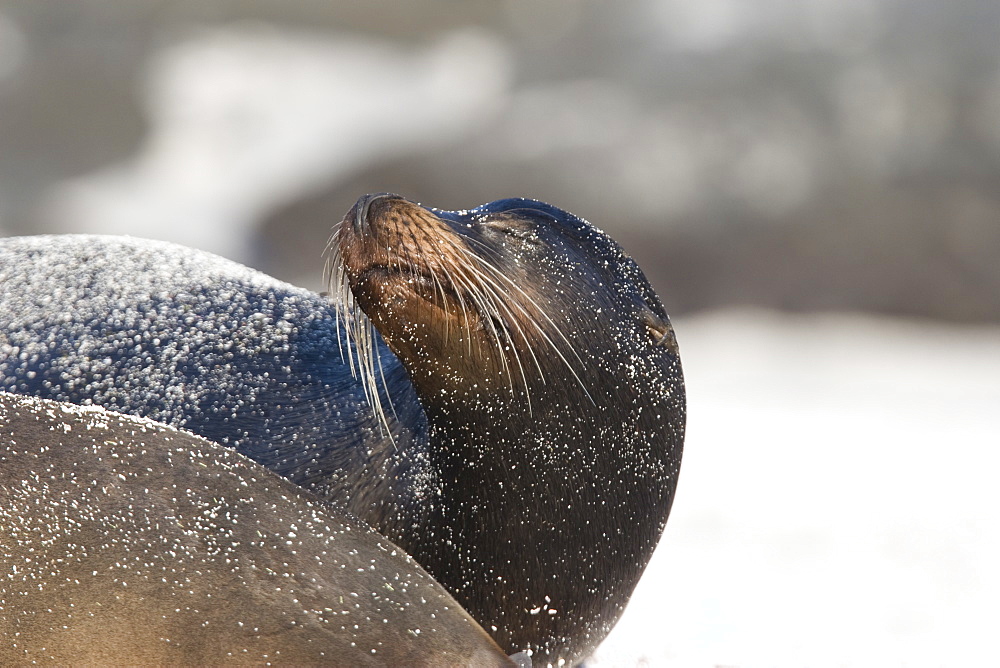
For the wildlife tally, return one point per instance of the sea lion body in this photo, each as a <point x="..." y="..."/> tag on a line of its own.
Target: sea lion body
<point x="125" y="541"/>
<point x="194" y="341"/>
<point x="528" y="397"/>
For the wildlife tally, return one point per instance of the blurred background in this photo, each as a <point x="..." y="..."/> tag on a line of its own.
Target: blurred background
<point x="813" y="187"/>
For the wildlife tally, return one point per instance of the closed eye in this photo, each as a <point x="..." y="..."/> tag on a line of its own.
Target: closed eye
<point x="510" y="227"/>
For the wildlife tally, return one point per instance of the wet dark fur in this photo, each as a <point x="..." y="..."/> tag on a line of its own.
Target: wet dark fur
<point x="123" y="541"/>
<point x="535" y="494"/>
<point x="191" y="340"/>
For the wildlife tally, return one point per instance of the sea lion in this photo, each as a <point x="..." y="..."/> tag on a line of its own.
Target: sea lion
<point x="528" y="393"/>
<point x="124" y="541"/>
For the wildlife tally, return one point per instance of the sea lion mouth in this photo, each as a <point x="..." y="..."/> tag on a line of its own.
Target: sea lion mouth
<point x="420" y="282"/>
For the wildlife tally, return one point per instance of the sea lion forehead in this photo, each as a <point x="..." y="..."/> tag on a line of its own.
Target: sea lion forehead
<point x="520" y="204"/>
<point x="563" y="225"/>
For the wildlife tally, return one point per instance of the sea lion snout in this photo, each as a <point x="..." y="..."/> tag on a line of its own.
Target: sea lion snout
<point x="358" y="215"/>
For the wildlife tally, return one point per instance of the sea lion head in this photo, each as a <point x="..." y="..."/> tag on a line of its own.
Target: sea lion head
<point x="493" y="300"/>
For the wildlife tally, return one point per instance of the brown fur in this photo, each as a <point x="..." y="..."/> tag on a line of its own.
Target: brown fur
<point x="123" y="541"/>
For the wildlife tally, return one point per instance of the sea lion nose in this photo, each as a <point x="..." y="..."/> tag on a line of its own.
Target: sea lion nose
<point x="363" y="205"/>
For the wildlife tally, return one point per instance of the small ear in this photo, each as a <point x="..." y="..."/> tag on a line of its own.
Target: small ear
<point x="660" y="330"/>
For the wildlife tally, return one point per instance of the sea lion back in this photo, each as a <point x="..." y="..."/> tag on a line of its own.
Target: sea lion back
<point x="195" y="341"/>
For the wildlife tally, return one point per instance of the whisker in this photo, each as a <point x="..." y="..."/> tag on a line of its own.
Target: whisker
<point x="461" y="303"/>
<point x="484" y="301"/>
<point x="352" y="322"/>
<point x="489" y="291"/>
<point x="499" y="275"/>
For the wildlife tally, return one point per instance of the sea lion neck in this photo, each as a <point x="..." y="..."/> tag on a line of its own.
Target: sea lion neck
<point x="567" y="488"/>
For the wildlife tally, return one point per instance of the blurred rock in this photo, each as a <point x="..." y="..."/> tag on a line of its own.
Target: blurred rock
<point x="821" y="155"/>
<point x="250" y="116"/>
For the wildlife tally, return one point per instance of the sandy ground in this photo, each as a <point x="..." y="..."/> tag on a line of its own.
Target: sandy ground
<point x="837" y="503"/>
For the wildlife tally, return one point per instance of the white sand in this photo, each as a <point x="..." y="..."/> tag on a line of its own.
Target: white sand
<point x="837" y="503"/>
